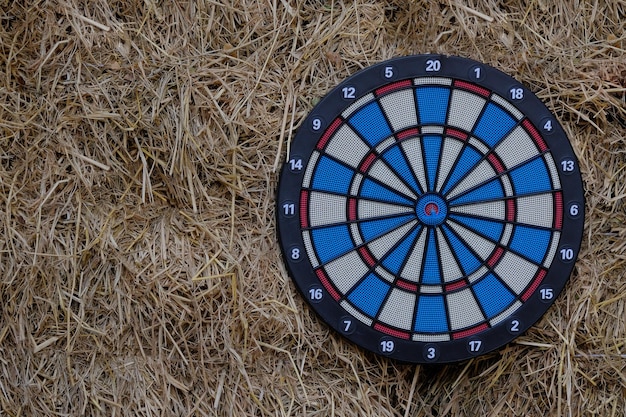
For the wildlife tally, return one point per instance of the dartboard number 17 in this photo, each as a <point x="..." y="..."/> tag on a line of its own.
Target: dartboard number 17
<point x="431" y="208"/>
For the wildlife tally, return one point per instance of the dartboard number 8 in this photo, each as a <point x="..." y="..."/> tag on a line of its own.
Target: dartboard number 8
<point x="430" y="209"/>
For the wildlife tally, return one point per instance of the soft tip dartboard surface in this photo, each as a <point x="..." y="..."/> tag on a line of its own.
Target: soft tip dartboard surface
<point x="431" y="208"/>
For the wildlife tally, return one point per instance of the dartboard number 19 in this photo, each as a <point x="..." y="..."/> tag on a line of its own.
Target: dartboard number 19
<point x="431" y="208"/>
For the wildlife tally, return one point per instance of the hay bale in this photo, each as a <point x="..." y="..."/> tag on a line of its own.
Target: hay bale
<point x="139" y="146"/>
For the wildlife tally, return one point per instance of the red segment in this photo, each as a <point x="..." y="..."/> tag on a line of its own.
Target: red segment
<point x="392" y="332"/>
<point x="352" y="209"/>
<point x="495" y="257"/>
<point x="329" y="132"/>
<point x="304" y="204"/>
<point x="406" y="285"/>
<point x="367" y="162"/>
<point x="456" y="134"/>
<point x="533" y="286"/>
<point x="558" y="202"/>
<point x="321" y="275"/>
<point x="367" y="256"/>
<point x="392" y="87"/>
<point x="495" y="162"/>
<point x="408" y="133"/>
<point x="470" y="332"/>
<point x="472" y="87"/>
<point x="455" y="285"/>
<point x="510" y="210"/>
<point x="541" y="144"/>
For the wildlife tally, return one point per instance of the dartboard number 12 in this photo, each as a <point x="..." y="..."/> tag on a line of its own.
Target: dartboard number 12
<point x="431" y="208"/>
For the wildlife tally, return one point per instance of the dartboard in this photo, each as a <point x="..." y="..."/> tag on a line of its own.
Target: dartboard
<point x="430" y="209"/>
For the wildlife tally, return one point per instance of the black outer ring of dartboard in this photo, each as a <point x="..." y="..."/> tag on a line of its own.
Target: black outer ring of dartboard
<point x="329" y="310"/>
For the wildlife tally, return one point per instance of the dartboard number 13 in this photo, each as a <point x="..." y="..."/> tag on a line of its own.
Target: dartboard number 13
<point x="431" y="208"/>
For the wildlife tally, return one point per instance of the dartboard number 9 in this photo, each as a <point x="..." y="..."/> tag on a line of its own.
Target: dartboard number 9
<point x="431" y="209"/>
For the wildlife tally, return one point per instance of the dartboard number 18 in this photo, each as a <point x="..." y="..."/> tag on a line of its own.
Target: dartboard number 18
<point x="431" y="208"/>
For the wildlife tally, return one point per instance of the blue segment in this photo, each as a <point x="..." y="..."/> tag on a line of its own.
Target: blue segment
<point x="331" y="242"/>
<point x="532" y="177"/>
<point x="431" y="315"/>
<point x="489" y="191"/>
<point x="395" y="260"/>
<point x="432" y="104"/>
<point x="431" y="273"/>
<point x="488" y="228"/>
<point x="332" y="176"/>
<point x="469" y="158"/>
<point x="531" y="243"/>
<point x="466" y="258"/>
<point x="374" y="191"/>
<point x="432" y="149"/>
<point x="374" y="228"/>
<point x="369" y="294"/>
<point x="494" y="124"/>
<point x="396" y="160"/>
<point x="492" y="295"/>
<point x="371" y="124"/>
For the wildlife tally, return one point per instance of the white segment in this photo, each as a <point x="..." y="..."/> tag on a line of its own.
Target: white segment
<point x="356" y="234"/>
<point x="308" y="246"/>
<point x="413" y="151"/>
<point x="356" y="313"/>
<point x="347" y="147"/>
<point x="480" y="147"/>
<point x="357" y="105"/>
<point x="395" y="311"/>
<point x="369" y="209"/>
<point x="380" y="246"/>
<point x="308" y="174"/>
<point x="432" y="80"/>
<point x="463" y="310"/>
<point x="381" y="171"/>
<point x="432" y="130"/>
<point x="475" y="276"/>
<point x="421" y="337"/>
<point x="506" y="313"/>
<point x="504" y="103"/>
<point x="326" y="209"/>
<point x="482" y="173"/>
<point x="465" y="107"/>
<point x="536" y="210"/>
<point x="481" y="246"/>
<point x="431" y="289"/>
<point x="506" y="234"/>
<point x="413" y="266"/>
<point x="516" y="148"/>
<point x="556" y="183"/>
<point x="506" y="184"/>
<point x="492" y="209"/>
<point x="451" y="271"/>
<point x="356" y="184"/>
<point x="384" y="274"/>
<point x="515" y="271"/>
<point x="385" y="144"/>
<point x="400" y="109"/>
<point x="450" y="152"/>
<point x="556" y="236"/>
<point x="346" y="271"/>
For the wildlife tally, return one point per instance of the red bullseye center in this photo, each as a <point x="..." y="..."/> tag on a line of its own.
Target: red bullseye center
<point x="431" y="209"/>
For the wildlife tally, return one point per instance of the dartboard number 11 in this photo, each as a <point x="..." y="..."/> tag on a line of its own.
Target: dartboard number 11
<point x="431" y="208"/>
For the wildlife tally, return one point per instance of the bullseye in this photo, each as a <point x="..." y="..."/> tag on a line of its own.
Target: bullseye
<point x="431" y="209"/>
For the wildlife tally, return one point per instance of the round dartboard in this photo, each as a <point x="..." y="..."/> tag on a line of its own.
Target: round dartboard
<point x="430" y="209"/>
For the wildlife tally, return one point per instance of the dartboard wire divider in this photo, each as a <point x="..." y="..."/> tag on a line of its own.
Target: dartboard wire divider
<point x="431" y="208"/>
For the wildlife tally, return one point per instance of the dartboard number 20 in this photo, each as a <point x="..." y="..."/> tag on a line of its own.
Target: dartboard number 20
<point x="431" y="208"/>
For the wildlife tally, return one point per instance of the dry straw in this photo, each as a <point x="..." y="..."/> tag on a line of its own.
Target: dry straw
<point x="139" y="147"/>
